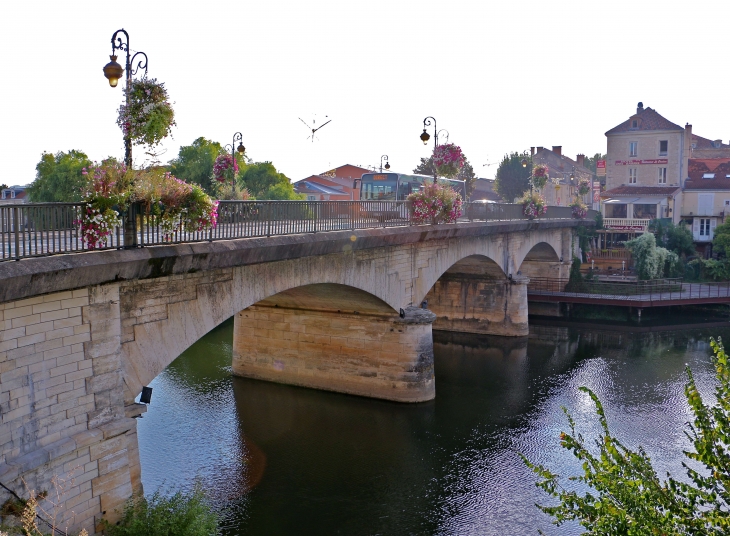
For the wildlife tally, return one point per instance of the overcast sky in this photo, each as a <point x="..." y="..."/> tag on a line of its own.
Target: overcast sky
<point x="498" y="76"/>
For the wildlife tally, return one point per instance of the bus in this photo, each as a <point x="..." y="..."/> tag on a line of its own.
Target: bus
<point x="395" y="187"/>
<point x="398" y="186"/>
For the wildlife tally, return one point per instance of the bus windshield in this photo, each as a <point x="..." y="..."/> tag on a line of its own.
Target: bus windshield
<point x="379" y="187"/>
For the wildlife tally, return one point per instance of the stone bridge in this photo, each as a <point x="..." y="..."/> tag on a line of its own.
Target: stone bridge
<point x="348" y="311"/>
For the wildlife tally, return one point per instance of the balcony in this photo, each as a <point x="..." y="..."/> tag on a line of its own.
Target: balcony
<point x="626" y="224"/>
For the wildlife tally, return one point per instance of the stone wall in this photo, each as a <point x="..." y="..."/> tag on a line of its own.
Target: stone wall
<point x="61" y="403"/>
<point x="375" y="355"/>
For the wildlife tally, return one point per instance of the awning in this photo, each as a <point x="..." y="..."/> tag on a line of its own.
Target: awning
<point x="620" y="200"/>
<point x="649" y="200"/>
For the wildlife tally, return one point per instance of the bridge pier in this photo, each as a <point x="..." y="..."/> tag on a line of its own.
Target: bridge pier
<point x="375" y="355"/>
<point x="470" y="303"/>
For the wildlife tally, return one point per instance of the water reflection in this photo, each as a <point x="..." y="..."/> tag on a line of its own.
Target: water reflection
<point x="288" y="460"/>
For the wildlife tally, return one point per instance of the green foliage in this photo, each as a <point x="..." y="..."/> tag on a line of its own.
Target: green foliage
<point x="590" y="161"/>
<point x="676" y="238"/>
<point x="59" y="178"/>
<point x="264" y="182"/>
<point x="513" y="180"/>
<point x="721" y="240"/>
<point x="626" y="496"/>
<point x="575" y="280"/>
<point x="194" y="163"/>
<point x="181" y="514"/>
<point x="715" y="269"/>
<point x="599" y="221"/>
<point x="650" y="261"/>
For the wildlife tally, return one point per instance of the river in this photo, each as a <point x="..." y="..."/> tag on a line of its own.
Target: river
<point x="287" y="460"/>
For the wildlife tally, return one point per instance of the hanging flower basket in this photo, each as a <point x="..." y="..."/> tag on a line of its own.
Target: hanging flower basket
<point x="539" y="175"/>
<point x="435" y="204"/>
<point x="223" y="168"/>
<point x="448" y="160"/>
<point x="580" y="209"/>
<point x="149" y="117"/>
<point x="584" y="186"/>
<point x="533" y="206"/>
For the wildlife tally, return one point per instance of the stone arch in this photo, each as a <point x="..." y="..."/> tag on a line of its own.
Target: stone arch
<point x="543" y="260"/>
<point x="191" y="305"/>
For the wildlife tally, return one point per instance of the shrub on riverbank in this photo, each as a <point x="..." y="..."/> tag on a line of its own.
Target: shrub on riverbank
<point x="180" y="514"/>
<point x="626" y="495"/>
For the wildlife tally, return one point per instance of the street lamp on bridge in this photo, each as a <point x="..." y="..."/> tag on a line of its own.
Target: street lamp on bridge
<point x="113" y="72"/>
<point x="237" y="137"/>
<point x="387" y="164"/>
<point x="425" y="137"/>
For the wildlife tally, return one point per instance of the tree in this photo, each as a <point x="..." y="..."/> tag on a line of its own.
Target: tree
<point x="264" y="182"/>
<point x="676" y="238"/>
<point x="59" y="178"/>
<point x="466" y="173"/>
<point x="194" y="163"/>
<point x="627" y="497"/>
<point x="721" y="241"/>
<point x="513" y="180"/>
<point x="590" y="162"/>
<point x="651" y="262"/>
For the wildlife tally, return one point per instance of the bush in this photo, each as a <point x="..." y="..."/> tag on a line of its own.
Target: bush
<point x="435" y="204"/>
<point x="650" y="261"/>
<point x="627" y="497"/>
<point x="575" y="281"/>
<point x="181" y="514"/>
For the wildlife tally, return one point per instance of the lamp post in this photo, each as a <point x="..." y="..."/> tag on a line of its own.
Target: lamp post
<point x="113" y="72"/>
<point x="237" y="137"/>
<point x="387" y="165"/>
<point x="425" y="137"/>
<point x="524" y="165"/>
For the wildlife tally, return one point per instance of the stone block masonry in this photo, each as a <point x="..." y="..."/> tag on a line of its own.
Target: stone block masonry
<point x="379" y="356"/>
<point x="62" y="422"/>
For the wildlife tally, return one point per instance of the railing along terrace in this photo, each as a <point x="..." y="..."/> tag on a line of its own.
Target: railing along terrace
<point x="40" y="229"/>
<point x="654" y="290"/>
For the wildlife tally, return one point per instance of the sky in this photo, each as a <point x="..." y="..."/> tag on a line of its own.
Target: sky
<point x="497" y="76"/>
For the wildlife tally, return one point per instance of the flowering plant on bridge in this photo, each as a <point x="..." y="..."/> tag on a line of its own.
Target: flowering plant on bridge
<point x="584" y="186"/>
<point x="148" y="117"/>
<point x="111" y="188"/>
<point x="539" y="175"/>
<point x="224" y="168"/>
<point x="580" y="209"/>
<point x="533" y="205"/>
<point x="448" y="160"/>
<point x="435" y="204"/>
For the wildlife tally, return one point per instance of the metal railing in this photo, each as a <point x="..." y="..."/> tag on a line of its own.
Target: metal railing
<point x="40" y="229"/>
<point x="655" y="290"/>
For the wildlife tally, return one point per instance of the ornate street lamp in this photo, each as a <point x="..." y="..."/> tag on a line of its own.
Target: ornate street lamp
<point x="524" y="165"/>
<point x="443" y="130"/>
<point x="113" y="72"/>
<point x="237" y="137"/>
<point x="425" y="137"/>
<point x="387" y="165"/>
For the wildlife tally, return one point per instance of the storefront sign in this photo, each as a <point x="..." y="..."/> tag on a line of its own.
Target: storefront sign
<point x="625" y="227"/>
<point x="601" y="168"/>
<point x="641" y="162"/>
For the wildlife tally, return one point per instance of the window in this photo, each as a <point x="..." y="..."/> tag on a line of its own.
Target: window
<point x="663" y="145"/>
<point x="727" y="202"/>
<point x="633" y="148"/>
<point x="704" y="226"/>
<point x="311" y="198"/>
<point x="634" y="124"/>
<point x="662" y="175"/>
<point x="632" y="175"/>
<point x="708" y="176"/>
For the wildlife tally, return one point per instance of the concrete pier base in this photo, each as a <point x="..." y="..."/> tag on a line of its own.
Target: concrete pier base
<point x="474" y="304"/>
<point x="375" y="355"/>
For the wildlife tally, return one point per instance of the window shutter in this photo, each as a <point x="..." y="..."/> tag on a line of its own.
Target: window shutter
<point x="696" y="227"/>
<point x="713" y="224"/>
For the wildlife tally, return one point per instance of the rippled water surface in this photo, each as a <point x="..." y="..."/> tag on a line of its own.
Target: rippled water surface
<point x="287" y="460"/>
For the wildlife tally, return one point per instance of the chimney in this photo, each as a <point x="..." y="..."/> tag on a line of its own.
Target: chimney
<point x="532" y="151"/>
<point x="558" y="150"/>
<point x="540" y="149"/>
<point x="581" y="159"/>
<point x="639" y="107"/>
